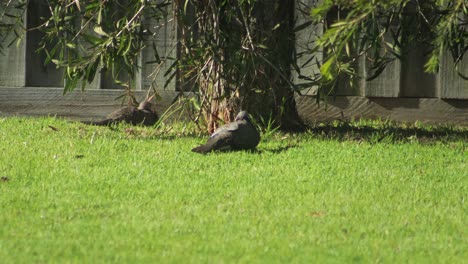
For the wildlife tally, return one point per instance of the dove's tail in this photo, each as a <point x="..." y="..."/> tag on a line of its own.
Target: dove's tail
<point x="104" y="122"/>
<point x="202" y="149"/>
<point x="217" y="145"/>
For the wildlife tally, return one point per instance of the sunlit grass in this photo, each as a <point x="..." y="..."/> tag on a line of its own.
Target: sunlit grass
<point x="359" y="192"/>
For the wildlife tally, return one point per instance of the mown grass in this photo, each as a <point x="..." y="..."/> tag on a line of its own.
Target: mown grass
<point x="340" y="193"/>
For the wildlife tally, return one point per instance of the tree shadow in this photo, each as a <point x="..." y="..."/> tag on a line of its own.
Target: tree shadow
<point x="366" y="131"/>
<point x="275" y="150"/>
<point x="280" y="149"/>
<point x="389" y="132"/>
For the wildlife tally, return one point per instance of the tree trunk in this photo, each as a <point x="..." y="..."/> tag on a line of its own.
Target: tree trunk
<point x="275" y="27"/>
<point x="241" y="60"/>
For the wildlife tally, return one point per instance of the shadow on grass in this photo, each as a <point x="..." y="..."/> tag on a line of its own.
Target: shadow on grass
<point x="389" y="132"/>
<point x="256" y="150"/>
<point x="149" y="133"/>
<point x="371" y="131"/>
<point x="280" y="149"/>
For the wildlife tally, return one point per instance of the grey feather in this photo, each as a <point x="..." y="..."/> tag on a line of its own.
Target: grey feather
<point x="240" y="134"/>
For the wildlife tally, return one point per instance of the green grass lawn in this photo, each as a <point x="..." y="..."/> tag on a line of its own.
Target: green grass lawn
<point x="338" y="194"/>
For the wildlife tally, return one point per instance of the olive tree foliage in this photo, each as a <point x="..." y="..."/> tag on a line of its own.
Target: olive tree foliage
<point x="382" y="31"/>
<point x="85" y="37"/>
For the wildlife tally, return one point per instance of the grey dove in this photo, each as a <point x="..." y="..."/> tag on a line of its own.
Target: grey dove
<point x="240" y="134"/>
<point x="143" y="114"/>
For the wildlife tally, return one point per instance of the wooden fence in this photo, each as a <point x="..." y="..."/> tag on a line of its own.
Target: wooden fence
<point x="403" y="92"/>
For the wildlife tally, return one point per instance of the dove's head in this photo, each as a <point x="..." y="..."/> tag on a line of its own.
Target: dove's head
<point x="145" y="105"/>
<point x="242" y="115"/>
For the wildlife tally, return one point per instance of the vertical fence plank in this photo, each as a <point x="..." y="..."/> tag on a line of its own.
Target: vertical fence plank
<point x="452" y="85"/>
<point x="116" y="77"/>
<point x="12" y="61"/>
<point x="160" y="54"/>
<point x="347" y="85"/>
<point x="107" y="80"/>
<point x="305" y="41"/>
<point x="12" y="65"/>
<point x="118" y="81"/>
<point x="354" y="87"/>
<point x="387" y="84"/>
<point x="38" y="74"/>
<point x="414" y="81"/>
<point x="96" y="83"/>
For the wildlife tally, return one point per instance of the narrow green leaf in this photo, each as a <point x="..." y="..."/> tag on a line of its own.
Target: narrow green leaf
<point x="99" y="31"/>
<point x="325" y="69"/>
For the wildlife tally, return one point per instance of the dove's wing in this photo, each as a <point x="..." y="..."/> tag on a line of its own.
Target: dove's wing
<point x="240" y="134"/>
<point x="220" y="139"/>
<point x="226" y="128"/>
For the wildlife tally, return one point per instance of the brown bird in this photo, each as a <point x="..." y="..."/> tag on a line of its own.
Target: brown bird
<point x="143" y="114"/>
<point x="240" y="134"/>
